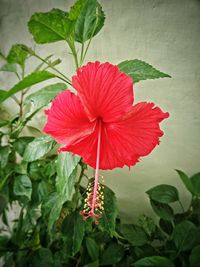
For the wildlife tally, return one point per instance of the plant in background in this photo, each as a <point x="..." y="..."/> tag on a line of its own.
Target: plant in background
<point x="46" y="188"/>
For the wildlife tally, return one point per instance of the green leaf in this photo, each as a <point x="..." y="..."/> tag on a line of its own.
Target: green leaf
<point x="3" y="123"/>
<point x="42" y="97"/>
<point x="66" y="170"/>
<point x="185" y="235"/>
<point x="23" y="186"/>
<point x="195" y="180"/>
<point x="92" y="264"/>
<point x="66" y="173"/>
<point x="21" y="142"/>
<point x="50" y="27"/>
<point x="107" y="222"/>
<point x="92" y="248"/>
<point x="139" y="70"/>
<point x="31" y="79"/>
<point x="163" y="193"/>
<point x="195" y="257"/>
<point x="4" y="154"/>
<point x="38" y="148"/>
<point x="113" y="254"/>
<point x="89" y="19"/>
<point x="164" y="211"/>
<point x="51" y="208"/>
<point x="42" y="257"/>
<point x="3" y="95"/>
<point x="154" y="261"/>
<point x="73" y="229"/>
<point x="17" y="55"/>
<point x="134" y="234"/>
<point x="186" y="180"/>
<point x="9" y="67"/>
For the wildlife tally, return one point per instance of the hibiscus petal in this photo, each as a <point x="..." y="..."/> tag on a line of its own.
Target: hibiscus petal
<point x="137" y="133"/>
<point x="123" y="142"/>
<point x="67" y="121"/>
<point x="104" y="90"/>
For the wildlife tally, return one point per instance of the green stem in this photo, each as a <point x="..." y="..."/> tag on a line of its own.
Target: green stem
<point x="65" y="78"/>
<point x="82" y="51"/>
<point x="94" y="29"/>
<point x="22" y="94"/>
<point x="73" y="49"/>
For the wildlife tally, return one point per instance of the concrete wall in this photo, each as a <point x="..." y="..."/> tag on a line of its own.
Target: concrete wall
<point x="164" y="33"/>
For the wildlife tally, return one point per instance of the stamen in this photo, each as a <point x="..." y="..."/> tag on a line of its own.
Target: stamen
<point x="93" y="206"/>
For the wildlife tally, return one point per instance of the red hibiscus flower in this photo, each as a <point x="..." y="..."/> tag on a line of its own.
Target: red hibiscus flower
<point x="100" y="124"/>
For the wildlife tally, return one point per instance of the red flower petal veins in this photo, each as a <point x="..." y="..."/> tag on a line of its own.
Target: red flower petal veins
<point x="67" y="121"/>
<point x="123" y="142"/>
<point x="104" y="90"/>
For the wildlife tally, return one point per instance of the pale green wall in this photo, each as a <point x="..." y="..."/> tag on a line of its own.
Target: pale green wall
<point x="165" y="33"/>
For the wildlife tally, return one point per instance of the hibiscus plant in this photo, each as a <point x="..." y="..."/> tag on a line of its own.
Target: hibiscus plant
<point x="52" y="213"/>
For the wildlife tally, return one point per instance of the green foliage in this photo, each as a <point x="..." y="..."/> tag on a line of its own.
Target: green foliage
<point x="88" y="17"/>
<point x="134" y="234"/>
<point x="17" y="55"/>
<point x="43" y="96"/>
<point x="38" y="148"/>
<point x="50" y="27"/>
<point x="9" y="67"/>
<point x="31" y="79"/>
<point x="107" y="223"/>
<point x="154" y="261"/>
<point x="22" y="186"/>
<point x="163" y="194"/>
<point x="139" y="70"/>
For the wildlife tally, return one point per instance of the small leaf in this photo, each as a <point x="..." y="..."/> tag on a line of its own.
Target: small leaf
<point x="113" y="254"/>
<point x="163" y="193"/>
<point x="89" y="19"/>
<point x="139" y="70"/>
<point x="4" y="154"/>
<point x="164" y="211"/>
<point x="185" y="235"/>
<point x="17" y="55"/>
<point x="107" y="222"/>
<point x="92" y="248"/>
<point x="154" y="261"/>
<point x="50" y="27"/>
<point x="195" y="257"/>
<point x="186" y="180"/>
<point x="31" y="79"/>
<point x="195" y="180"/>
<point x="9" y="67"/>
<point x="45" y="95"/>
<point x="23" y="186"/>
<point x="38" y="148"/>
<point x="73" y="229"/>
<point x="21" y="142"/>
<point x="134" y="234"/>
